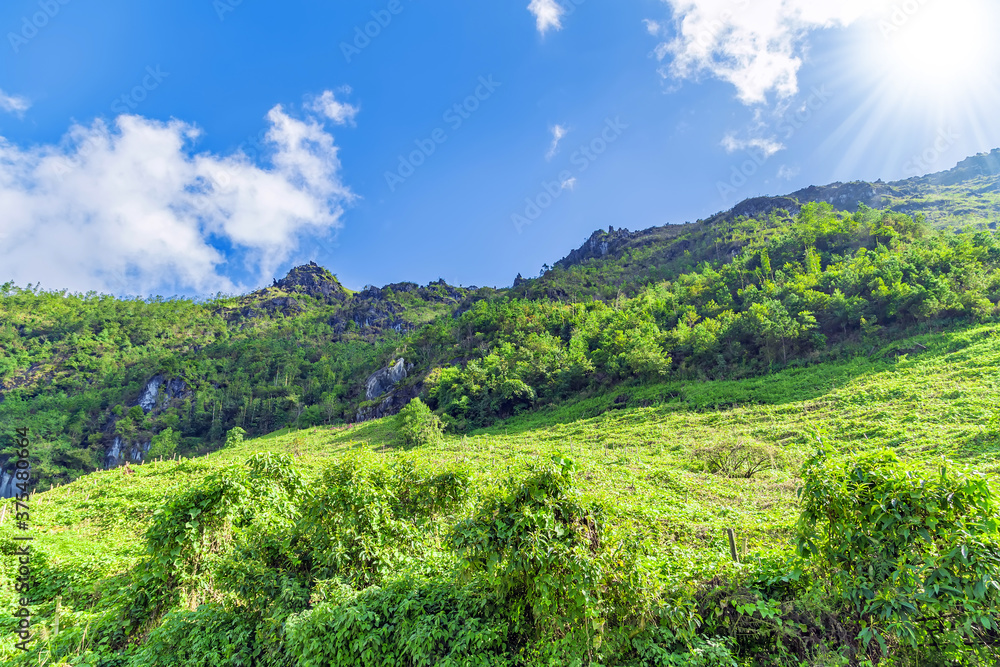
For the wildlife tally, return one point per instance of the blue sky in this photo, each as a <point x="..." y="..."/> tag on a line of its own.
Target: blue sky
<point x="205" y="145"/>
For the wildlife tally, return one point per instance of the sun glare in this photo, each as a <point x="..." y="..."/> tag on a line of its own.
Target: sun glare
<point x="939" y="46"/>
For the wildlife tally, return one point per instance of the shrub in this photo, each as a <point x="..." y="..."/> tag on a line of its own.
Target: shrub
<point x="432" y="623"/>
<point x="208" y="636"/>
<point x="737" y="460"/>
<point x="537" y="547"/>
<point x="164" y="444"/>
<point x="359" y="525"/>
<point x="917" y="559"/>
<point x="418" y="425"/>
<point x="235" y="437"/>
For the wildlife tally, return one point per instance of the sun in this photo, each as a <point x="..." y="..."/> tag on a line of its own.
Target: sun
<point x="939" y="47"/>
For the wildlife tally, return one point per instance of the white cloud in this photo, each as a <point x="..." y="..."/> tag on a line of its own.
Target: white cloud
<point x="569" y="183"/>
<point x="766" y="146"/>
<point x="558" y="132"/>
<point x="787" y="173"/>
<point x="340" y="113"/>
<point x="14" y="104"/>
<point x="652" y="27"/>
<point x="548" y="14"/>
<point x="134" y="199"/>
<point x="756" y="46"/>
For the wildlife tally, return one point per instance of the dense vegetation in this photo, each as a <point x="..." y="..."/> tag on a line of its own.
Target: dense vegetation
<point x="792" y="291"/>
<point x="593" y="533"/>
<point x="558" y="487"/>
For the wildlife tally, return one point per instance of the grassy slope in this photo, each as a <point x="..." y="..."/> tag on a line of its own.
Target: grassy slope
<point x="973" y="203"/>
<point x="638" y="461"/>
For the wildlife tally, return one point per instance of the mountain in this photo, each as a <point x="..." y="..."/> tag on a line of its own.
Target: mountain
<point x="108" y="380"/>
<point x="730" y="442"/>
<point x="964" y="197"/>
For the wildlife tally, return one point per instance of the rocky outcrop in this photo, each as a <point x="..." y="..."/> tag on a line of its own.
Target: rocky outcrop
<point x="157" y="393"/>
<point x="374" y="309"/>
<point x="380" y="382"/>
<point x="171" y="389"/>
<point x="393" y="402"/>
<point x="313" y="280"/>
<point x="600" y="244"/>
<point x="759" y="207"/>
<point x="121" y="451"/>
<point x="8" y="489"/>
<point x="846" y="196"/>
<point x="152" y="389"/>
<point x="983" y="164"/>
<point x="370" y="312"/>
<point x="308" y="280"/>
<point x="842" y="196"/>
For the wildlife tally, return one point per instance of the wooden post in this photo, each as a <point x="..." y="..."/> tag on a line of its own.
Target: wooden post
<point x="55" y="623"/>
<point x="732" y="544"/>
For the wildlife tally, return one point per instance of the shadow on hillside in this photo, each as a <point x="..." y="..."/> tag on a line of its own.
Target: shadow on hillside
<point x="785" y="387"/>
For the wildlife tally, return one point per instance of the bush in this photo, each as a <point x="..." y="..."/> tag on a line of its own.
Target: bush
<point x="917" y="559"/>
<point x="163" y="444"/>
<point x="208" y="636"/>
<point x="537" y="548"/>
<point x="418" y="425"/>
<point x="432" y="623"/>
<point x="235" y="437"/>
<point x="737" y="460"/>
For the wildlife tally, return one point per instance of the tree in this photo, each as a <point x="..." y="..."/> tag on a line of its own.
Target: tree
<point x="164" y="444"/>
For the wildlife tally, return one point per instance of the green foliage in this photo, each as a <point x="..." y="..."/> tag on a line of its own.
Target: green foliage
<point x="206" y="637"/>
<point x="680" y="392"/>
<point x="432" y="623"/>
<point x="536" y="547"/>
<point x="918" y="559"/>
<point x="164" y="444"/>
<point x="197" y="525"/>
<point x="418" y="425"/>
<point x="787" y="291"/>
<point x="235" y="437"/>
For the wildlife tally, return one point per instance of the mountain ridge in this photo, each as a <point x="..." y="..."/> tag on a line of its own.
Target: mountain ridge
<point x="758" y="286"/>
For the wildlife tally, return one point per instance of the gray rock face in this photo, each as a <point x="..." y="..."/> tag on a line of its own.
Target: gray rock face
<point x="148" y="399"/>
<point x="382" y="381"/>
<point x="122" y="451"/>
<point x="151" y="393"/>
<point x="600" y="244"/>
<point x="388" y="406"/>
<point x="113" y="458"/>
<point x="7" y="488"/>
<point x="156" y="389"/>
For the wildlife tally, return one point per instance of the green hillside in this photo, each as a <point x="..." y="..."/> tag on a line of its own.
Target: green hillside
<point x="227" y="481"/>
<point x="277" y="571"/>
